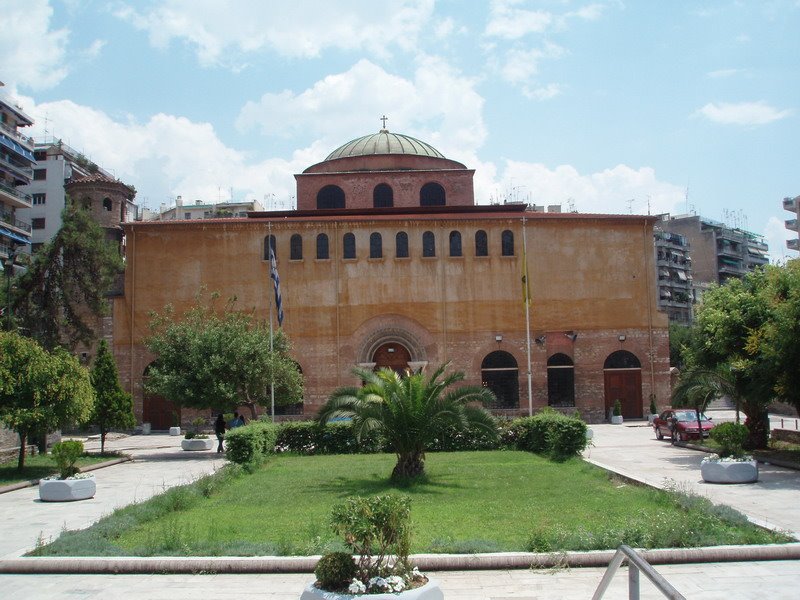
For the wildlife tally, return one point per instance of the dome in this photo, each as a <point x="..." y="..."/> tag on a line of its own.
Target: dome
<point x="384" y="142"/>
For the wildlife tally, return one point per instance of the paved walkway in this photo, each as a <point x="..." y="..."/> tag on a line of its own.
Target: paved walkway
<point x="158" y="463"/>
<point x="632" y="450"/>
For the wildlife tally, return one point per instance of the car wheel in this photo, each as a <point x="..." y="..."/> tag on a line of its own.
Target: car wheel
<point x="659" y="435"/>
<point x="679" y="436"/>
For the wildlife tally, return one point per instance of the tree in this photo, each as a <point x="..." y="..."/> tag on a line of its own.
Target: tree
<point x="40" y="390"/>
<point x="697" y="387"/>
<point x="113" y="407"/>
<point x="66" y="285"/>
<point x="680" y="337"/>
<point x="409" y="411"/>
<point x="220" y="360"/>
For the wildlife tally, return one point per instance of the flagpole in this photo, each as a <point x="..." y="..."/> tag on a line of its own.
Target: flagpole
<point x="271" y="347"/>
<point x="527" y="315"/>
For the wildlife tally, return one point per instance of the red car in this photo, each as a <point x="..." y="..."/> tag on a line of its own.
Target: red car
<point x="681" y="425"/>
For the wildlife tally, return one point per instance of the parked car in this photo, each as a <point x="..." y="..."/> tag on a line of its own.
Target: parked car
<point x="681" y="425"/>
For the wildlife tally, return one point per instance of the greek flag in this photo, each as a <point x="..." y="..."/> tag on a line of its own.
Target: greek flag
<point x="273" y="273"/>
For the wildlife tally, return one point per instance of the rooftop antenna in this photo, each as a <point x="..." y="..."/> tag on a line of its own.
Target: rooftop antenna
<point x="648" y="204"/>
<point x="686" y="198"/>
<point x="571" y="204"/>
<point x="630" y="205"/>
<point x="383" y="119"/>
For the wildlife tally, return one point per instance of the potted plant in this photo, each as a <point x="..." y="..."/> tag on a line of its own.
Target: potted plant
<point x="653" y="410"/>
<point x="195" y="439"/>
<point x="731" y="465"/>
<point x="377" y="532"/>
<point x="616" y="413"/>
<point x="176" y="424"/>
<point x="69" y="485"/>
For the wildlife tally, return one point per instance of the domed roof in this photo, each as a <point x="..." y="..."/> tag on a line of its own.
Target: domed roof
<point x="384" y="142"/>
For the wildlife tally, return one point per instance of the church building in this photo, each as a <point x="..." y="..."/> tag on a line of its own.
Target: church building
<point x="388" y="261"/>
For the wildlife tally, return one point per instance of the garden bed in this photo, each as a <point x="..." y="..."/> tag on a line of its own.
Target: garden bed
<point x="470" y="502"/>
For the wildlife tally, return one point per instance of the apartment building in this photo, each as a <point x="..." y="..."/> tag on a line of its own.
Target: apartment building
<point x="16" y="160"/>
<point x="201" y="210"/>
<point x="793" y="206"/>
<point x="676" y="296"/>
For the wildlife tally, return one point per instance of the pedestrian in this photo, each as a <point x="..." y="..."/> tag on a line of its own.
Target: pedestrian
<point x="235" y="421"/>
<point x="219" y="429"/>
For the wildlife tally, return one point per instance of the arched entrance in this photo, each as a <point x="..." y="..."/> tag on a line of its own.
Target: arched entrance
<point x="622" y="374"/>
<point x="500" y="373"/>
<point x="157" y="410"/>
<point x="392" y="355"/>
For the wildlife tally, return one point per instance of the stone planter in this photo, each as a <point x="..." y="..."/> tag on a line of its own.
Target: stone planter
<point x="174" y="430"/>
<point x="66" y="490"/>
<point x="589" y="433"/>
<point x="429" y="591"/>
<point x="196" y="444"/>
<point x="616" y="420"/>
<point x="716" y="471"/>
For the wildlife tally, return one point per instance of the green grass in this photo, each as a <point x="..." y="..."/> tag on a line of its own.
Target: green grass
<point x="42" y="465"/>
<point x="470" y="502"/>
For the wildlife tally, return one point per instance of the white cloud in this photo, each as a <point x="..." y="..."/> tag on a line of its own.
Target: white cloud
<point x="776" y="234"/>
<point x="226" y="32"/>
<point x="170" y="155"/>
<point x="606" y="191"/>
<point x="512" y="23"/>
<point x="31" y="54"/>
<point x="94" y="49"/>
<point x="743" y="113"/>
<point x="723" y="73"/>
<point x="437" y="104"/>
<point x="551" y="90"/>
<point x="521" y="65"/>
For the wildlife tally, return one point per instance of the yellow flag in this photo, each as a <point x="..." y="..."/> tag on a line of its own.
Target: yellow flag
<point x="526" y="286"/>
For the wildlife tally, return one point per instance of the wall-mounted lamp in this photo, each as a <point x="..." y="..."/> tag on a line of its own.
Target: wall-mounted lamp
<point x="621" y="338"/>
<point x="540" y="340"/>
<point x="571" y="335"/>
<point x="498" y="338"/>
<point x="390" y="349"/>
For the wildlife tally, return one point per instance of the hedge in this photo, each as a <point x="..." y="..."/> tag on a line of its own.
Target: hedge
<point x="252" y="442"/>
<point x="308" y="437"/>
<point x="551" y="433"/>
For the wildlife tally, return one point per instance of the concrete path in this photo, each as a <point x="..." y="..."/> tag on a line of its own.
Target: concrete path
<point x="158" y="463"/>
<point x="632" y="450"/>
<point x="777" y="580"/>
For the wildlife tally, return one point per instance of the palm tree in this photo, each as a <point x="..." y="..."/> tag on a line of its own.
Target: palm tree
<point x="409" y="411"/>
<point x="697" y="387"/>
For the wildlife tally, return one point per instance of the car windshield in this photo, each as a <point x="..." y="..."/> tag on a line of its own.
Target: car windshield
<point x="689" y="416"/>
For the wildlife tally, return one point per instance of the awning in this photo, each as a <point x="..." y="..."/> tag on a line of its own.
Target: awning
<point x="681" y="275"/>
<point x="16" y="147"/>
<point x="664" y="272"/>
<point x="666" y="294"/>
<point x="14" y="236"/>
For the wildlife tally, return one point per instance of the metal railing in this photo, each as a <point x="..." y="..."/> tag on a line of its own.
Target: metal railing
<point x="636" y="564"/>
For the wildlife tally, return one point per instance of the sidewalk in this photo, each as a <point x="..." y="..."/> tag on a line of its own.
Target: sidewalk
<point x="158" y="463"/>
<point x="632" y="450"/>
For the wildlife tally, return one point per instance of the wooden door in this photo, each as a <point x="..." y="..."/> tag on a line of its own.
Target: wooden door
<point x="625" y="385"/>
<point x="392" y="356"/>
<point x="160" y="413"/>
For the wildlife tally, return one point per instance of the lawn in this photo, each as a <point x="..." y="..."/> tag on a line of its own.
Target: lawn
<point x="42" y="465"/>
<point x="471" y="502"/>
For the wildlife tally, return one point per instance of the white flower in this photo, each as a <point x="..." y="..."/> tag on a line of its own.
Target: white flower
<point x="356" y="587"/>
<point x="379" y="583"/>
<point x="396" y="583"/>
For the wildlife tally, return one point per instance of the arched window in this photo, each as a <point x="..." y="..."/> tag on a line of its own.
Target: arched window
<point x="107" y="204"/>
<point x="349" y="245"/>
<point x="560" y="380"/>
<point x="322" y="247"/>
<point x="401" y="244"/>
<point x="382" y="196"/>
<point x="508" y="243"/>
<point x="269" y="242"/>
<point x="428" y="244"/>
<point x="481" y="243"/>
<point x="431" y="194"/>
<point x="622" y="359"/>
<point x="331" y="196"/>
<point x="375" y="245"/>
<point x="499" y="373"/>
<point x="296" y="247"/>
<point x="455" y="243"/>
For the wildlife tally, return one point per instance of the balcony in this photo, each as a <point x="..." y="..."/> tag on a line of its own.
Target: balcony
<point x="793" y="244"/>
<point x="791" y="224"/>
<point x="790" y="204"/>
<point x="26" y="142"/>
<point x="8" y="218"/>
<point x="23" y="174"/>
<point x="14" y="197"/>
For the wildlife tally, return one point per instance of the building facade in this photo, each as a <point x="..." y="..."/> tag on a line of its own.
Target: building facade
<point x="389" y="262"/>
<point x="16" y="161"/>
<point x="676" y="296"/>
<point x="200" y="210"/>
<point x="793" y="206"/>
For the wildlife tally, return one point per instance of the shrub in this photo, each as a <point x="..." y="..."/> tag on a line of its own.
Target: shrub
<point x="731" y="437"/>
<point x="195" y="432"/>
<point x="653" y="407"/>
<point x="66" y="454"/>
<point x="376" y="528"/>
<point x="308" y="437"/>
<point x="617" y="412"/>
<point x="251" y="443"/>
<point x="551" y="433"/>
<point x="335" y="570"/>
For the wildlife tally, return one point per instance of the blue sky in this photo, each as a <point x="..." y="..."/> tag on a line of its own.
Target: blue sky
<point x="602" y="106"/>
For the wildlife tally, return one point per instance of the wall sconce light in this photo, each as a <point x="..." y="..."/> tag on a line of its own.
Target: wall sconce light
<point x="571" y="335"/>
<point x="540" y="340"/>
<point x="390" y="349"/>
<point x="498" y="338"/>
<point x="621" y="338"/>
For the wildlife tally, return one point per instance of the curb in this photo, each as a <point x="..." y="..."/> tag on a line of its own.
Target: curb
<point x="428" y="562"/>
<point x="11" y="487"/>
